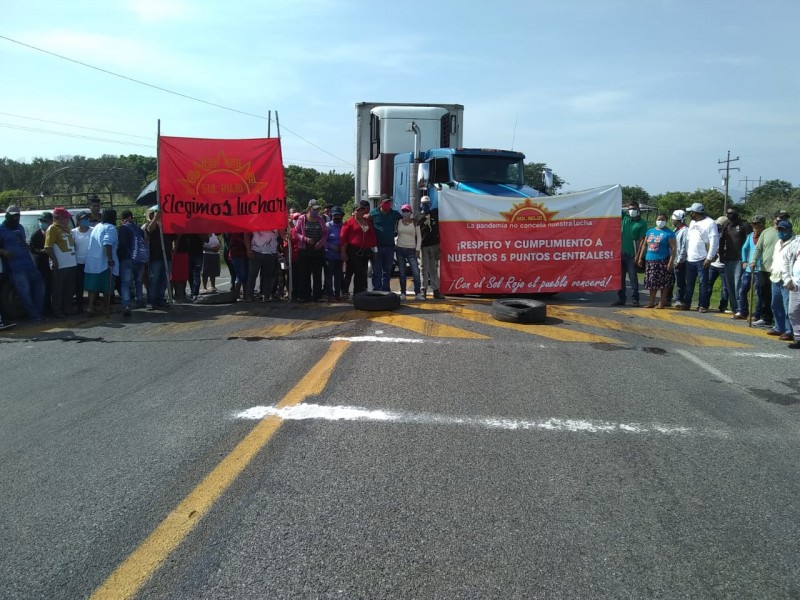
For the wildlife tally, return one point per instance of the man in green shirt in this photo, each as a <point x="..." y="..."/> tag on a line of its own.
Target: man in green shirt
<point x="633" y="232"/>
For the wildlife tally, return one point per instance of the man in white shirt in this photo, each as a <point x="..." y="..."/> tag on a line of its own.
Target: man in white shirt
<point x="702" y="243"/>
<point x="778" y="277"/>
<point x="791" y="281"/>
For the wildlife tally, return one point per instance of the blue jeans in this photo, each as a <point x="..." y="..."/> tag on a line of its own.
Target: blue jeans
<point x="780" y="308"/>
<point x="693" y="269"/>
<point x="733" y="276"/>
<point x="410" y="255"/>
<point x="156" y="283"/>
<point x="240" y="271"/>
<point x="744" y="289"/>
<point x="715" y="273"/>
<point x="195" y="271"/>
<point x="30" y="289"/>
<point x="333" y="277"/>
<point x="382" y="268"/>
<point x="629" y="270"/>
<point x="679" y="284"/>
<point x="130" y="271"/>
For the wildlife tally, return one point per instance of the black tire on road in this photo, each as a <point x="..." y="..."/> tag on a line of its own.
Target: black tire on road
<point x="519" y="310"/>
<point x="376" y="301"/>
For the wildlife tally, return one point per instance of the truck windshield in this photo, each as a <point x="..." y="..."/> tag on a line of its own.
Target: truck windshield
<point x="492" y="169"/>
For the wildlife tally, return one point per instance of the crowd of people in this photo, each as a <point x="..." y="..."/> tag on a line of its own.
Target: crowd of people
<point x="65" y="269"/>
<point x="320" y="255"/>
<point x="752" y="261"/>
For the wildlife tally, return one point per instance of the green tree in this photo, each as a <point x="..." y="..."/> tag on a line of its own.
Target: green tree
<point x="534" y="178"/>
<point x="771" y="197"/>
<point x="634" y="193"/>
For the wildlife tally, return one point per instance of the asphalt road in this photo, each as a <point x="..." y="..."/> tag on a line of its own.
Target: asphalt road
<point x="314" y="451"/>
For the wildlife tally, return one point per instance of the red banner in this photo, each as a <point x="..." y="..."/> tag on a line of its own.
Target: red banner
<point x="220" y="186"/>
<point x="507" y="245"/>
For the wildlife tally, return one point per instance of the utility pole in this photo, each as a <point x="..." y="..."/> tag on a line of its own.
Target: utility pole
<point x="727" y="175"/>
<point x="747" y="187"/>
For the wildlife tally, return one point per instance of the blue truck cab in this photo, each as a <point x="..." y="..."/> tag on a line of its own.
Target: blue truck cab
<point x="472" y="170"/>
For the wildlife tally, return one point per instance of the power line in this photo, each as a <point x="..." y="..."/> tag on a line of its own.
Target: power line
<point x="168" y="91"/>
<point x="143" y="137"/>
<point x="75" y="135"/>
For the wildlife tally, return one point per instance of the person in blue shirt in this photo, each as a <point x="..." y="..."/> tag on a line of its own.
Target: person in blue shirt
<point x="384" y="221"/>
<point x="17" y="262"/>
<point x="333" y="256"/>
<point x="657" y="255"/>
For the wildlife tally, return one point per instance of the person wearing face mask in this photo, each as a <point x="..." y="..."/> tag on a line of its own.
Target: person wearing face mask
<point x="657" y="255"/>
<point x="702" y="243"/>
<point x="60" y="247"/>
<point x="19" y="265"/>
<point x="679" y="271"/>
<point x="312" y="237"/>
<point x="431" y="251"/>
<point x="633" y="231"/>
<point x="357" y="241"/>
<point x="42" y="259"/>
<point x="731" y="240"/>
<point x="81" y="235"/>
<point x="384" y="220"/>
<point x="791" y="282"/>
<point x="778" y="275"/>
<point x="333" y="256"/>
<point x="762" y="254"/>
<point x="409" y="246"/>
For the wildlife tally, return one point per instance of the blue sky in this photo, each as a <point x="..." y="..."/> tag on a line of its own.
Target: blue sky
<point x="649" y="92"/>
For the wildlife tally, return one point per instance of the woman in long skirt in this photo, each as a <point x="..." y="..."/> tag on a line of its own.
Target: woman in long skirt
<point x="657" y="255"/>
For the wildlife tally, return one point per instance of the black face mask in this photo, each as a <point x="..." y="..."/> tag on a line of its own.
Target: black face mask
<point x="12" y="220"/>
<point x="337" y="219"/>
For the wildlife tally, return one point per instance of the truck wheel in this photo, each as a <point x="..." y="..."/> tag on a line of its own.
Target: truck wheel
<point x="376" y="301"/>
<point x="10" y="304"/>
<point x="519" y="310"/>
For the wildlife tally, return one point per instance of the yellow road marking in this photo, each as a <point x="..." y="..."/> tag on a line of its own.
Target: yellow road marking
<point x="137" y="569"/>
<point x="547" y="331"/>
<point x="680" y="337"/>
<point x="681" y="319"/>
<point x="280" y="330"/>
<point x="195" y="323"/>
<point x="426" y="327"/>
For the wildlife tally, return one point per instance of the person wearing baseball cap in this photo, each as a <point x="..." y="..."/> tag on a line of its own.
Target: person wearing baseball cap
<point x="702" y="244"/>
<point x="679" y="268"/>
<point x="60" y="247"/>
<point x="431" y="252"/>
<point x="409" y="247"/>
<point x="22" y="272"/>
<point x="384" y="220"/>
<point x="791" y="283"/>
<point x="782" y="265"/>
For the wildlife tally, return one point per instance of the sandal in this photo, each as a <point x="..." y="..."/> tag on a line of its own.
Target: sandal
<point x="651" y="306"/>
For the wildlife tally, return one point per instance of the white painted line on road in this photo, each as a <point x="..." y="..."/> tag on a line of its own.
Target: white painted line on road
<point x="761" y="355"/>
<point x="704" y="365"/>
<point x="375" y="338"/>
<point x="354" y="413"/>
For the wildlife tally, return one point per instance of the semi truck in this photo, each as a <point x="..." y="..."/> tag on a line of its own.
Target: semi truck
<point x="407" y="150"/>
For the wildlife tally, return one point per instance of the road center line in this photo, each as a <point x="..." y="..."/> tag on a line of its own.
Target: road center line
<point x="144" y="561"/>
<point x="355" y="413"/>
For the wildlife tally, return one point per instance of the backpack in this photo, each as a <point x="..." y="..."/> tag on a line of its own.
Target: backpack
<point x="139" y="251"/>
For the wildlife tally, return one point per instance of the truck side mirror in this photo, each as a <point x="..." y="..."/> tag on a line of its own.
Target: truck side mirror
<point x="547" y="177"/>
<point x="423" y="175"/>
